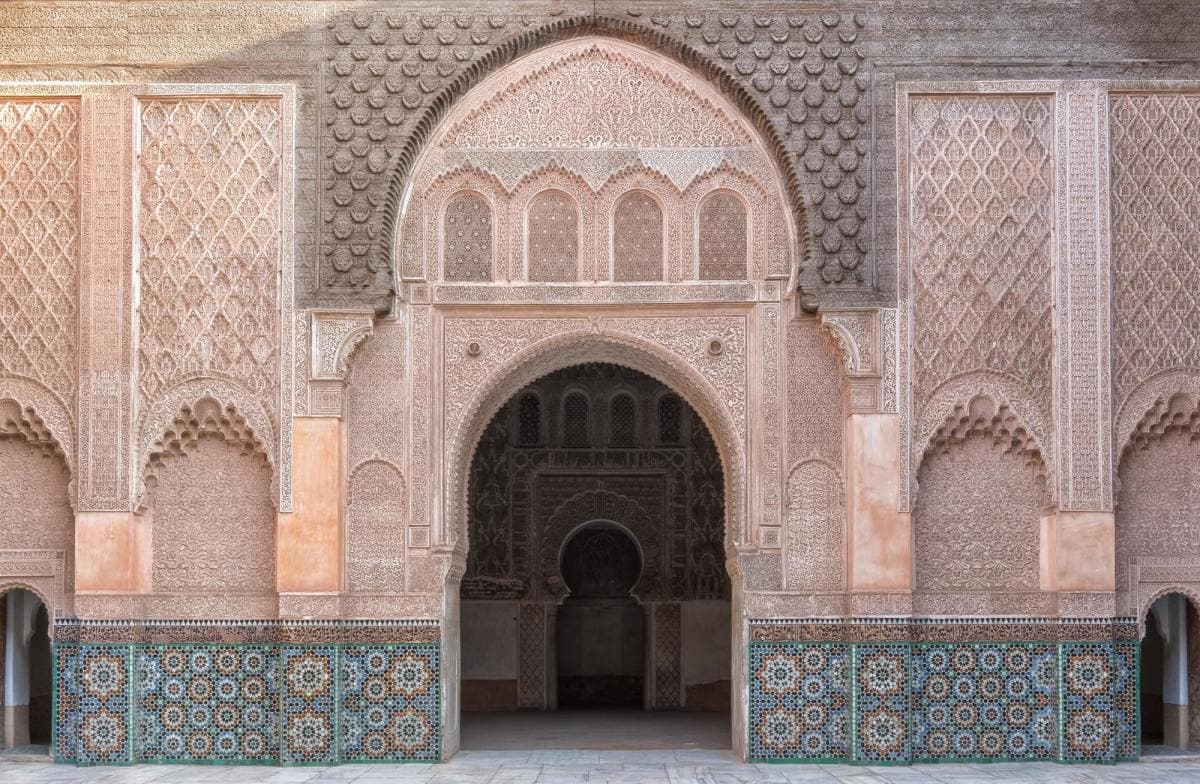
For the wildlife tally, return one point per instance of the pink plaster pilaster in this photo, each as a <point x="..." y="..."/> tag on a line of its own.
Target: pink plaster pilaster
<point x="880" y="541"/>
<point x="112" y="552"/>
<point x="1078" y="552"/>
<point x="309" y="543"/>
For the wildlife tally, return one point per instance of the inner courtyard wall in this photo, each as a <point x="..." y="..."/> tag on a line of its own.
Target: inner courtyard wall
<point x="226" y="234"/>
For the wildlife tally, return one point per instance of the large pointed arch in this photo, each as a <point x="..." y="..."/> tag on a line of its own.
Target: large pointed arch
<point x="747" y="106"/>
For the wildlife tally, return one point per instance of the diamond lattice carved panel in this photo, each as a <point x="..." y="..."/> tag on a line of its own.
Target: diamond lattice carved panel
<point x="1156" y="223"/>
<point x="39" y="241"/>
<point x="981" y="222"/>
<point x="210" y="250"/>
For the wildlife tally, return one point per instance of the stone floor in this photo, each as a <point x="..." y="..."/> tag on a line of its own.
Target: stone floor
<point x="608" y="730"/>
<point x="613" y="767"/>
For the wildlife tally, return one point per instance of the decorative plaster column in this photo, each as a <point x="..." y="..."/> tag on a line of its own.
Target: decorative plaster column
<point x="1078" y="538"/>
<point x="112" y="543"/>
<point x="309" y="538"/>
<point x="879" y="540"/>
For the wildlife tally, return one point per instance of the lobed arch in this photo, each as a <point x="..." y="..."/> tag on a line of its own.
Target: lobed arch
<point x="54" y="603"/>
<point x="573" y="348"/>
<point x="589" y="506"/>
<point x="1148" y="404"/>
<point x="1014" y="417"/>
<point x="615" y="32"/>
<point x="1189" y="592"/>
<point x="199" y="413"/>
<point x="41" y="416"/>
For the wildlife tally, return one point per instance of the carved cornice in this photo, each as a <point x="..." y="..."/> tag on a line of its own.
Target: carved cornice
<point x="858" y="335"/>
<point x="334" y="337"/>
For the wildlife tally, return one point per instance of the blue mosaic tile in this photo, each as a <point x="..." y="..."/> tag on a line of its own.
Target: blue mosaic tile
<point x="91" y="704"/>
<point x="880" y="708"/>
<point x="984" y="701"/>
<point x="203" y="702"/>
<point x="309" y="704"/>
<point x="390" y="702"/>
<point x="1099" y="701"/>
<point x="799" y="701"/>
<point x="1126" y="701"/>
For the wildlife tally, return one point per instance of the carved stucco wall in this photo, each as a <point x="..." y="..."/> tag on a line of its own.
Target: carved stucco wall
<point x="802" y="69"/>
<point x="210" y="219"/>
<point x="1158" y="506"/>
<point x="1156" y="201"/>
<point x="39" y="258"/>
<point x="814" y="559"/>
<point x="982" y="189"/>
<point x="213" y="533"/>
<point x="1155" y="142"/>
<point x="37" y="515"/>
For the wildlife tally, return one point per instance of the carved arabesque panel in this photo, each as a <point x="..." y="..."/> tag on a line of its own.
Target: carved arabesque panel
<point x="976" y="520"/>
<point x="376" y="518"/>
<point x="981" y="173"/>
<point x="814" y="377"/>
<point x="214" y="523"/>
<point x="814" y="529"/>
<point x="210" y="221"/>
<point x="39" y="242"/>
<point x="375" y="406"/>
<point x="721" y="237"/>
<point x="552" y="252"/>
<point x="467" y="239"/>
<point x="597" y="93"/>
<point x="1155" y="142"/>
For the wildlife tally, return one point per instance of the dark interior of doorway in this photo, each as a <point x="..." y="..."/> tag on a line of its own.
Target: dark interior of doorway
<point x="595" y="603"/>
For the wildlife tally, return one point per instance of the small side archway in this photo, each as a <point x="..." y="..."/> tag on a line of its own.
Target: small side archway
<point x="1170" y="669"/>
<point x="26" y="675"/>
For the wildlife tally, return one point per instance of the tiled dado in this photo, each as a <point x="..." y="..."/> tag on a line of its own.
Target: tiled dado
<point x="248" y="703"/>
<point x="905" y="701"/>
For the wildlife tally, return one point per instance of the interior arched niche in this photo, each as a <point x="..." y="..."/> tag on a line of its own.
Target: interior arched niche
<point x="977" y="517"/>
<point x="578" y="116"/>
<point x="34" y="489"/>
<point x="1158" y="494"/>
<point x="209" y="498"/>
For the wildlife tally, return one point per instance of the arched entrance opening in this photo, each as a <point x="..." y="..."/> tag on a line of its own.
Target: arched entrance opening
<point x="595" y="571"/>
<point x="600" y="629"/>
<point x="1170" y="673"/>
<point x="27" y="679"/>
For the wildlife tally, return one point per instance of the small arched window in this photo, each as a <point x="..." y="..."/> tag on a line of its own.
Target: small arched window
<point x="670" y="420"/>
<point x="553" y="237"/>
<point x="722" y="242"/>
<point x="622" y="422"/>
<point x="637" y="238"/>
<point x="575" y="420"/>
<point x="467" y="239"/>
<point x="529" y="420"/>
